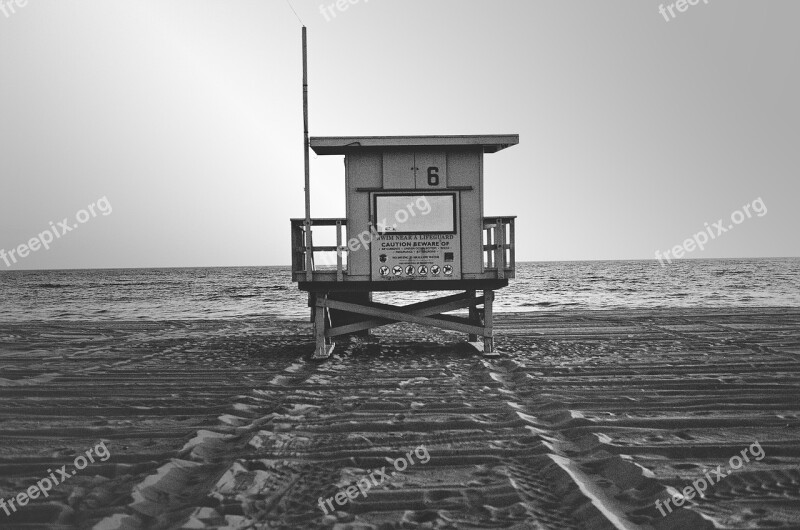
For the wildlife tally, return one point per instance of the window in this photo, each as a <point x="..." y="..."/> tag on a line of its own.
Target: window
<point x="409" y="214"/>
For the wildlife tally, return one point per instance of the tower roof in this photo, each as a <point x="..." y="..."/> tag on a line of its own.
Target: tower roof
<point x="342" y="145"/>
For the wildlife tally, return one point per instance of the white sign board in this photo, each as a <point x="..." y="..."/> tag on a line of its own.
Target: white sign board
<point x="404" y="257"/>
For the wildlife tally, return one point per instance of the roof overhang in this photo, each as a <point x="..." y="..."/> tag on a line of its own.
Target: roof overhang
<point x="342" y="145"/>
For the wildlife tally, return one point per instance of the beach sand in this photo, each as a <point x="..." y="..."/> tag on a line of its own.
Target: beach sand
<point x="585" y="421"/>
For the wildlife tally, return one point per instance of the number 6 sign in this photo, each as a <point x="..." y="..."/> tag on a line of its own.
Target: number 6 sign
<point x="433" y="176"/>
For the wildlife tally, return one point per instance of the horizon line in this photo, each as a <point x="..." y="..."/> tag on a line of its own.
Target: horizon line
<point x="289" y="265"/>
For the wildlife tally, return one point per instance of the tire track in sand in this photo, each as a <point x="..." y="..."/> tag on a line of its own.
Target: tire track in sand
<point x="167" y="498"/>
<point x="319" y="430"/>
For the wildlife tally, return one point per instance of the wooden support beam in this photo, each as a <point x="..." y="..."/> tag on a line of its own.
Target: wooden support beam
<point x="323" y="348"/>
<point x="422" y="309"/>
<point x="427" y="303"/>
<point x="473" y="314"/>
<point x="426" y="308"/>
<point x="400" y="316"/>
<point x="488" y="339"/>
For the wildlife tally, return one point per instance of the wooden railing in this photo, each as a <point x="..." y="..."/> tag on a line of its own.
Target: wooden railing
<point x="499" y="246"/>
<point x="303" y="248"/>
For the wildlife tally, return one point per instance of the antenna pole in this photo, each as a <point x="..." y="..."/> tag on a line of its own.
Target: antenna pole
<point x="307" y="224"/>
<point x="305" y="127"/>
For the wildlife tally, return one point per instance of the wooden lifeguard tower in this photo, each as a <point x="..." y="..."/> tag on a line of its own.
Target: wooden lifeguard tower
<point x="414" y="222"/>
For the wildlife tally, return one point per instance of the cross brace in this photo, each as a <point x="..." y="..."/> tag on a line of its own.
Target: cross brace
<point x="428" y="313"/>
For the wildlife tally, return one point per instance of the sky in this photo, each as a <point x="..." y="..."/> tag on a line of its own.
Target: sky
<point x="180" y="122"/>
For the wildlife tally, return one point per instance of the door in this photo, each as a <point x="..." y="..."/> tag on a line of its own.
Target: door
<point x="423" y="170"/>
<point x="398" y="170"/>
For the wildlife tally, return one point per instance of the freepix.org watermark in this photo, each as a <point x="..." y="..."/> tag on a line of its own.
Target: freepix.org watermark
<point x="699" y="486"/>
<point x="365" y="483"/>
<point x="9" y="7"/>
<point x="419" y="206"/>
<point x="681" y="6"/>
<point x="56" y="231"/>
<point x="401" y="217"/>
<point x="43" y="486"/>
<point x="700" y="239"/>
<point x="340" y="5"/>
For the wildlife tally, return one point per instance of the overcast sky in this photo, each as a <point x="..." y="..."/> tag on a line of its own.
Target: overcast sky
<point x="186" y="115"/>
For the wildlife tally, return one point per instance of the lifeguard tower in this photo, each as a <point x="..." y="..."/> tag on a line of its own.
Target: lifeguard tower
<point x="414" y="222"/>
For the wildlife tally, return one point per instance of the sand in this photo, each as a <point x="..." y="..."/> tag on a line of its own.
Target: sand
<point x="586" y="421"/>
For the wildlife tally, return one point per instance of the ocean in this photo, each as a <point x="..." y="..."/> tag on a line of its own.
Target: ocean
<point x="253" y="292"/>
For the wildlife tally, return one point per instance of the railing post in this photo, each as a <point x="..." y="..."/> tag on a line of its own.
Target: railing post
<point x="512" y="258"/>
<point x="500" y="248"/>
<point x="490" y="244"/>
<point x="309" y="245"/>
<point x="339" y="274"/>
<point x="297" y="245"/>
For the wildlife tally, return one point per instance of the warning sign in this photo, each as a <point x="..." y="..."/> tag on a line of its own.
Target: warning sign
<point x="416" y="257"/>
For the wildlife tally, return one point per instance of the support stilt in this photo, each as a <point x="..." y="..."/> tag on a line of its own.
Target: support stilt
<point x="324" y="347"/>
<point x="473" y="314"/>
<point x="488" y="333"/>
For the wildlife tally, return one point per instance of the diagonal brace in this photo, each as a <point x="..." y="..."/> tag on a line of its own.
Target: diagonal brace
<point x="385" y="312"/>
<point x="422" y="309"/>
